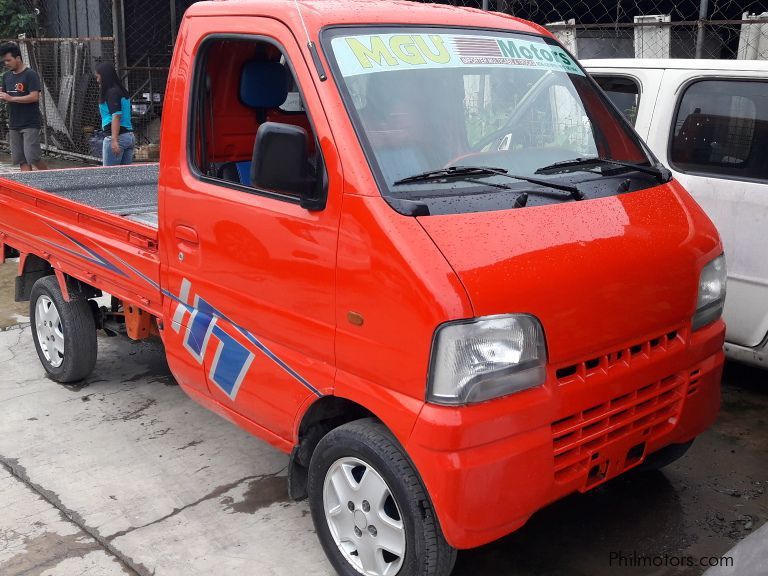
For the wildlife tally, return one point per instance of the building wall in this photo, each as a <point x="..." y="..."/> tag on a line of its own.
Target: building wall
<point x="76" y="18"/>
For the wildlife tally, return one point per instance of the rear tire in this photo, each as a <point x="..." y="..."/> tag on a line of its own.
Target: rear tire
<point x="369" y="507"/>
<point x="64" y="332"/>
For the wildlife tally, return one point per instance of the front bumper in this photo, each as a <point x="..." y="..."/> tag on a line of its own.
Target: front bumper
<point x="490" y="466"/>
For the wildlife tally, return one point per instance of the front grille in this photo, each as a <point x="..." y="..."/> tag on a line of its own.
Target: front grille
<point x="661" y="344"/>
<point x="646" y="412"/>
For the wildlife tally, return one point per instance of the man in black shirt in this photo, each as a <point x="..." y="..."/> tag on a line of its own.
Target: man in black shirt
<point x="21" y="90"/>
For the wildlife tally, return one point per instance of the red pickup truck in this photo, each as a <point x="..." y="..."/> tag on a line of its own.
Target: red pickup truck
<point x="413" y="245"/>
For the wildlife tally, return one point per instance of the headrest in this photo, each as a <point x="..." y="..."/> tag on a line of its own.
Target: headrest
<point x="263" y="84"/>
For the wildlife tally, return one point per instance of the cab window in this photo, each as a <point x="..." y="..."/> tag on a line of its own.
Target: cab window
<point x="244" y="92"/>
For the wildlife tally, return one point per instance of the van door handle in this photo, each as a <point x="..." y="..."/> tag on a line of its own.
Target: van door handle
<point x="187" y="234"/>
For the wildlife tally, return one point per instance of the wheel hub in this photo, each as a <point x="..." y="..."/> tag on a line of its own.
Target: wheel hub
<point x="50" y="335"/>
<point x="360" y="520"/>
<point x="363" y="518"/>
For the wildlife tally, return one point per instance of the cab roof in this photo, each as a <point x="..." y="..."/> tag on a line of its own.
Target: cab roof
<point x="320" y="13"/>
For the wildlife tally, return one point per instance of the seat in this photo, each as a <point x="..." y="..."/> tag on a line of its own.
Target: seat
<point x="263" y="85"/>
<point x="239" y="172"/>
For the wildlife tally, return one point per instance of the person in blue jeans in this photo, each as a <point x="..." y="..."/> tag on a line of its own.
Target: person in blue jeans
<point x="115" y="108"/>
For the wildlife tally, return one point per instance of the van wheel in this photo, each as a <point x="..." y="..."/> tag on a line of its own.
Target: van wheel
<point x="370" y="510"/>
<point x="64" y="332"/>
<point x="664" y="457"/>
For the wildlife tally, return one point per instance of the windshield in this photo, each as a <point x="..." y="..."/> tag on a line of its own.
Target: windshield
<point x="423" y="99"/>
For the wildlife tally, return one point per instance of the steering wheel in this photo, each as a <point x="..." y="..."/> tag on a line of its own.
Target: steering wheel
<point x="496" y="137"/>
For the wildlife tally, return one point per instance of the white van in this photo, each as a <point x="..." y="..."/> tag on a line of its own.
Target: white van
<point x="708" y="121"/>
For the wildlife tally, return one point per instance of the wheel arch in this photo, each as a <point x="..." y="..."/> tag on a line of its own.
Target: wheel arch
<point x="352" y="398"/>
<point x="320" y="417"/>
<point x="31" y="268"/>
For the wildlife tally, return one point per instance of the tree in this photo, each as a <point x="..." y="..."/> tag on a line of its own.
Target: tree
<point x="15" y="18"/>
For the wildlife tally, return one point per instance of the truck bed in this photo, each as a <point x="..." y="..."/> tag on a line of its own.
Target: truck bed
<point x="98" y="225"/>
<point x="127" y="191"/>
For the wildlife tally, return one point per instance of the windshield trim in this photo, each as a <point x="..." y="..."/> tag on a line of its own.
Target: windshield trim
<point x="327" y="33"/>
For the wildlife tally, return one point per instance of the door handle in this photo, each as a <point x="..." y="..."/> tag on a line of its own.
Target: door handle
<point x="187" y="234"/>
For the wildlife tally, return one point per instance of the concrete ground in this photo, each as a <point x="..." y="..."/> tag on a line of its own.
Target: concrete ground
<point x="11" y="313"/>
<point x="123" y="474"/>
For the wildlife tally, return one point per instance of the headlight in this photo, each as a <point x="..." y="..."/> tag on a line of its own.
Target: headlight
<point x="709" y="306"/>
<point x="477" y="360"/>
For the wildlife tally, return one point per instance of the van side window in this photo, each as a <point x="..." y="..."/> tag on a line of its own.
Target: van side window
<point x="721" y="128"/>
<point x="623" y="91"/>
<point x="244" y="91"/>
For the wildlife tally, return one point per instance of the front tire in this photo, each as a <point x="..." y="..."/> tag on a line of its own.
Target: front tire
<point x="370" y="509"/>
<point x="64" y="332"/>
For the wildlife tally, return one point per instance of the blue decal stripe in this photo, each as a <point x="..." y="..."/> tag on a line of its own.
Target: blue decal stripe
<point x="82" y="256"/>
<point x="251" y="338"/>
<point x="138" y="273"/>
<point x="277" y="360"/>
<point x="95" y="258"/>
<point x="101" y="261"/>
<point x="200" y="327"/>
<point x="230" y="363"/>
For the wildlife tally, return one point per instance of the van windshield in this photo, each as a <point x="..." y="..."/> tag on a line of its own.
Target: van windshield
<point x="423" y="99"/>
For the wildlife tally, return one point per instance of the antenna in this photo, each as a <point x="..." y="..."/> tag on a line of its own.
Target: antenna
<point x="311" y="46"/>
<point x="301" y="17"/>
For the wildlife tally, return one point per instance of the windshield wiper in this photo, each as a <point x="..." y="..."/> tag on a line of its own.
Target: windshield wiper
<point x="661" y="173"/>
<point x="450" y="172"/>
<point x="481" y="171"/>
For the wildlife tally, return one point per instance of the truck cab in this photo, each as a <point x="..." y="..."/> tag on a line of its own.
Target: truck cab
<point x="405" y="236"/>
<point x="423" y="254"/>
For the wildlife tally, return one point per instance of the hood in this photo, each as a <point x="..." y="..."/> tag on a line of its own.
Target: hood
<point x="597" y="273"/>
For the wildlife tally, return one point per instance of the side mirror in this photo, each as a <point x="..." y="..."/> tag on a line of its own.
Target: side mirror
<point x="281" y="163"/>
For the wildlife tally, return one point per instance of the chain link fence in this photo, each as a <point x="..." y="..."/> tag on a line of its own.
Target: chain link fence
<point x="64" y="40"/>
<point x="70" y="94"/>
<point x="146" y="35"/>
<point x="720" y="29"/>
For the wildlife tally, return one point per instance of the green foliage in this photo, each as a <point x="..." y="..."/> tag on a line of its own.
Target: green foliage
<point x="15" y="18"/>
